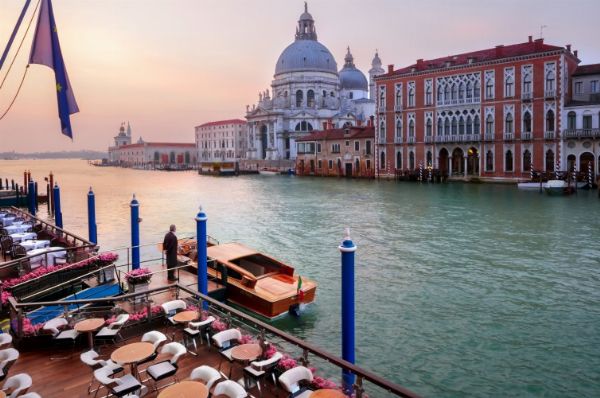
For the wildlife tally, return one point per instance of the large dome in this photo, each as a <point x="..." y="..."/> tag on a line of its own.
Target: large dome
<point x="306" y="55"/>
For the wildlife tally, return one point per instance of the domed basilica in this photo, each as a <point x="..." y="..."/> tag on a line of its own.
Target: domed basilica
<point x="307" y="92"/>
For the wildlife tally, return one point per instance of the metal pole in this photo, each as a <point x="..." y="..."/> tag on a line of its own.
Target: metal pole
<point x="35" y="195"/>
<point x="14" y="32"/>
<point x="347" y="248"/>
<point x="50" y="197"/>
<point x="135" y="233"/>
<point x="91" y="203"/>
<point x="57" y="211"/>
<point x="30" y="198"/>
<point x="202" y="256"/>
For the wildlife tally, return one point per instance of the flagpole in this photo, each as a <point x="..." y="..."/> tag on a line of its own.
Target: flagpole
<point x="14" y="33"/>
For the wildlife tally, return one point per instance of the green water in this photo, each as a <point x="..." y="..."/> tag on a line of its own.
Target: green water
<point x="462" y="290"/>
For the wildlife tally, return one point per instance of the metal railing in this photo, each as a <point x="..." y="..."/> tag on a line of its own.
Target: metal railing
<point x="582" y="133"/>
<point x="526" y="136"/>
<point x="509" y="136"/>
<point x="550" y="93"/>
<point x="549" y="135"/>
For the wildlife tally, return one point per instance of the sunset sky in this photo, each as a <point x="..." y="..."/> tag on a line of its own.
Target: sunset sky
<point x="169" y="65"/>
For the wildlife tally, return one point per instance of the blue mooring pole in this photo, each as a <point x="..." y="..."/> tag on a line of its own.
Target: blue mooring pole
<point x="347" y="248"/>
<point x="202" y="256"/>
<point x="135" y="233"/>
<point x="57" y="212"/>
<point x="31" y="197"/>
<point x="91" y="203"/>
<point x="35" y="196"/>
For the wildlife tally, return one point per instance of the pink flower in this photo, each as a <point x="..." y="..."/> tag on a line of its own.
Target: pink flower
<point x="270" y="351"/>
<point x="140" y="275"/>
<point x="218" y="325"/>
<point x="247" y="339"/>
<point x="287" y="363"/>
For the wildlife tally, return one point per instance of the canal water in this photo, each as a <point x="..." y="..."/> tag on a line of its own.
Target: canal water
<point x="461" y="290"/>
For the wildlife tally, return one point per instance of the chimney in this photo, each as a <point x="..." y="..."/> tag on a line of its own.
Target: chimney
<point x="324" y="125"/>
<point x="359" y="123"/>
<point x="530" y="39"/>
<point x="329" y="124"/>
<point x="568" y="47"/>
<point x="370" y="122"/>
<point x="538" y="44"/>
<point x="499" y="51"/>
<point x="420" y="63"/>
<point x="390" y="68"/>
<point x="575" y="54"/>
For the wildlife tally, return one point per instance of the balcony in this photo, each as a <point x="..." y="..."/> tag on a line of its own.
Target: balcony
<point x="475" y="137"/>
<point x="381" y="140"/>
<point x="411" y="140"/>
<point x="489" y="137"/>
<point x="440" y="138"/>
<point x="509" y="136"/>
<point x="458" y="101"/>
<point x="428" y="139"/>
<point x="581" y="133"/>
<point x="550" y="94"/>
<point x="398" y="139"/>
<point x="526" y="96"/>
<point x="549" y="135"/>
<point x="526" y="136"/>
<point x="398" y="107"/>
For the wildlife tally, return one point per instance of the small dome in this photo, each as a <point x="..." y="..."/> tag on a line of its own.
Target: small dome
<point x="350" y="77"/>
<point x="306" y="55"/>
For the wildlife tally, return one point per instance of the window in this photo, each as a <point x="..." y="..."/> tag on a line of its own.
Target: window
<point x="399" y="160"/>
<point x="351" y="95"/>
<point x="440" y="94"/>
<point x="550" y="78"/>
<point x="368" y="164"/>
<point x="489" y="161"/>
<point x="447" y="127"/>
<point x="454" y="126"/>
<point x="461" y="91"/>
<point x="594" y="88"/>
<point x="398" y="97"/>
<point x="469" y="125"/>
<point x="381" y="98"/>
<point x="411" y="128"/>
<point x="477" y="91"/>
<point x="526" y="160"/>
<point x="447" y="92"/>
<point x="411" y="97"/>
<point x="489" y="125"/>
<point x="587" y="122"/>
<point x="509" y="87"/>
<point x="549" y="160"/>
<point x="319" y="147"/>
<point x="476" y="125"/>
<point x="428" y="128"/>
<point x="489" y="89"/>
<point x="411" y="160"/>
<point x="368" y="148"/>
<point x="508" y="124"/>
<point x="508" y="161"/>
<point x="347" y="143"/>
<point x="299" y="98"/>
<point x="461" y="126"/>
<point x="454" y="91"/>
<point x="429" y="159"/>
<point x="357" y="145"/>
<point x="550" y="120"/>
<point x="310" y="99"/>
<point x="330" y="164"/>
<point x="382" y="132"/>
<point x="428" y="96"/>
<point x="469" y="90"/>
<point x="399" y="130"/>
<point x="320" y="164"/>
<point x="527" y="122"/>
<point x="440" y="127"/>
<point x="335" y="148"/>
<point x="578" y="87"/>
<point x="571" y="120"/>
<point x="527" y="84"/>
<point x="382" y="161"/>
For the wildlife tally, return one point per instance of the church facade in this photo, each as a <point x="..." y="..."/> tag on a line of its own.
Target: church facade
<point x="307" y="93"/>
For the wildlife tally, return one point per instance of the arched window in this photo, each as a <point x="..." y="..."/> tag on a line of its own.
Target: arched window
<point x="411" y="97"/>
<point x="527" y="122"/>
<point x="382" y="99"/>
<point x="550" y="160"/>
<point x="527" y="84"/>
<point x="461" y="126"/>
<point x="469" y="125"/>
<point x="489" y="88"/>
<point x="461" y="91"/>
<point x="508" y="161"/>
<point x="399" y="130"/>
<point x="382" y="132"/>
<point x="477" y="90"/>
<point x="550" y="79"/>
<point x="508" y="124"/>
<point x="428" y="128"/>
<point x="509" y="87"/>
<point x="489" y="161"/>
<point x="440" y="93"/>
<point x="489" y="125"/>
<point x="454" y="91"/>
<point x="411" y="128"/>
<point x="526" y="160"/>
<point x="572" y="120"/>
<point x="429" y="159"/>
<point x="550" y="120"/>
<point x="411" y="160"/>
<point x="440" y="126"/>
<point x="454" y="126"/>
<point x="399" y="160"/>
<point x="382" y="161"/>
<point x="447" y="92"/>
<point x="428" y="96"/>
<point x="310" y="98"/>
<point x="299" y="98"/>
<point x="398" y="98"/>
<point x="476" y="125"/>
<point x="447" y="127"/>
<point x="469" y="90"/>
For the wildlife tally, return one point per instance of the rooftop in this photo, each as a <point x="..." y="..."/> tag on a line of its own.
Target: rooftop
<point x="223" y="122"/>
<point x="339" y="134"/>
<point x="591" y="69"/>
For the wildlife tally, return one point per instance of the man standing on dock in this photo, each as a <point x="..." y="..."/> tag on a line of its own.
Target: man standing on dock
<point x="170" y="246"/>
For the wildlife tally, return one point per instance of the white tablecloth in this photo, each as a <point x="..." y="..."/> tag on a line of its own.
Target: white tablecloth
<point x="7" y="221"/>
<point x="42" y="254"/>
<point x="18" y="237"/>
<point x="35" y="244"/>
<point x="14" y="229"/>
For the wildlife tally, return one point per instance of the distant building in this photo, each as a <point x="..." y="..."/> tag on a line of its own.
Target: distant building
<point x="144" y="154"/>
<point x="581" y="133"/>
<point x="221" y="144"/>
<point x="491" y="114"/>
<point x="347" y="152"/>
<point x="307" y="91"/>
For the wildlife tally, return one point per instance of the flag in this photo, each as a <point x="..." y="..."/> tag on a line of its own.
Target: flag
<point x="46" y="51"/>
<point x="300" y="293"/>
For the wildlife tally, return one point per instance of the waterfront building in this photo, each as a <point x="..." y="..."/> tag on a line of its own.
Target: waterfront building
<point x="491" y="114"/>
<point x="338" y="152"/>
<point x="144" y="154"/>
<point x="581" y="133"/>
<point x="307" y="91"/>
<point x="221" y="144"/>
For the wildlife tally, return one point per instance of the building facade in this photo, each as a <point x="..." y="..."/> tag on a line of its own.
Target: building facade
<point x="335" y="152"/>
<point x="490" y="114"/>
<point x="221" y="144"/>
<point x="144" y="154"/>
<point x="307" y="91"/>
<point x="581" y="133"/>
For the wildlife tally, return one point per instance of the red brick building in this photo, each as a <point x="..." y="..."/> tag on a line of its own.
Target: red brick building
<point x="491" y="114"/>
<point x="347" y="152"/>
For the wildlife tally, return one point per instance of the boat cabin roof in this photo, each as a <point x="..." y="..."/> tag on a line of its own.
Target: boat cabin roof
<point x="227" y="252"/>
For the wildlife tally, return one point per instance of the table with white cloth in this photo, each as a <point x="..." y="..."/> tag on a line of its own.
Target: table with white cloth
<point x="14" y="229"/>
<point x="7" y="220"/>
<point x="34" y="244"/>
<point x="45" y="256"/>
<point x="21" y="236"/>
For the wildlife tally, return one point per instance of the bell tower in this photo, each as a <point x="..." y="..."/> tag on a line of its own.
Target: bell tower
<point x="375" y="70"/>
<point x="306" y="26"/>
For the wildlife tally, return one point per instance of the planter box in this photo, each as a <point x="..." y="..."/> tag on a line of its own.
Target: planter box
<point x="136" y="288"/>
<point x="107" y="275"/>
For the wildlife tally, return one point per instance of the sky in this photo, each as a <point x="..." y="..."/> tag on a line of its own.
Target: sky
<point x="169" y="65"/>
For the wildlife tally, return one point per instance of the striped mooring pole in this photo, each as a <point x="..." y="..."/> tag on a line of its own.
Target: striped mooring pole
<point x="557" y="169"/>
<point x="348" y="248"/>
<point x="420" y="171"/>
<point x="135" y="233"/>
<point x="590" y="175"/>
<point x="201" y="240"/>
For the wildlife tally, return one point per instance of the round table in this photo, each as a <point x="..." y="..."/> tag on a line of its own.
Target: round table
<point x="185" y="316"/>
<point x="246" y="352"/>
<point x="89" y="326"/>
<point x="327" y="393"/>
<point x="185" y="389"/>
<point x="132" y="354"/>
<point x="2" y="394"/>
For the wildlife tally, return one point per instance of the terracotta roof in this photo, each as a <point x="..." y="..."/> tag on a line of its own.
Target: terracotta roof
<point x="223" y="122"/>
<point x="592" y="69"/>
<point x="339" y="134"/>
<point x="490" y="54"/>
<point x="172" y="144"/>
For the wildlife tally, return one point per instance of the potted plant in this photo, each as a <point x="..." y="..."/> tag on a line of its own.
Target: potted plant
<point x="138" y="280"/>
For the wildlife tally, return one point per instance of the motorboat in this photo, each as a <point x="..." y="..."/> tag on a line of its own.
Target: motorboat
<point x="558" y="188"/>
<point x="268" y="171"/>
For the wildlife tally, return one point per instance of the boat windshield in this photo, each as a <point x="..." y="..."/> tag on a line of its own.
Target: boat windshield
<point x="257" y="264"/>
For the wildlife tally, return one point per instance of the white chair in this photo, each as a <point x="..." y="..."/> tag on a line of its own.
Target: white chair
<point x="230" y="389"/>
<point x="225" y="341"/>
<point x="17" y="384"/>
<point x="5" y="340"/>
<point x="31" y="395"/>
<point x="171" y="308"/>
<point x="206" y="374"/>
<point x="7" y="359"/>
<point x="259" y="369"/>
<point x="90" y="358"/>
<point x="155" y="337"/>
<point x="167" y="368"/>
<point x="291" y="381"/>
<point x="195" y="329"/>
<point x="112" y="331"/>
<point x="54" y="326"/>
<point x="119" y="386"/>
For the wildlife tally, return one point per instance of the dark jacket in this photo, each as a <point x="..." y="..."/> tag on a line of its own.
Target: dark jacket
<point x="170" y="246"/>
